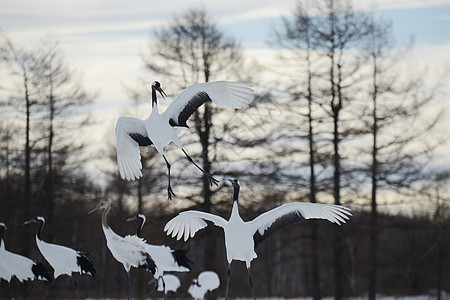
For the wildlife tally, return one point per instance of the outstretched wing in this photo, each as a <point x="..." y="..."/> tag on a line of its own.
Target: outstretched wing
<point x="222" y="93"/>
<point x="130" y="134"/>
<point x="267" y="223"/>
<point x="187" y="223"/>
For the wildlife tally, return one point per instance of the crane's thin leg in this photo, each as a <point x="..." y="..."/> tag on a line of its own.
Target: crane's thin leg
<point x="169" y="187"/>
<point x="250" y="281"/>
<point x="49" y="287"/>
<point x="210" y="178"/>
<point x="76" y="287"/>
<point x="155" y="288"/>
<point x="130" y="286"/>
<point x="164" y="288"/>
<point x="26" y="288"/>
<point x="228" y="280"/>
<point x="10" y="291"/>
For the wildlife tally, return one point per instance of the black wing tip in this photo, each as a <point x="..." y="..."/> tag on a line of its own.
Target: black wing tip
<point x="149" y="264"/>
<point x="140" y="139"/>
<point x="191" y="106"/>
<point x="181" y="258"/>
<point x="41" y="273"/>
<point x="86" y="265"/>
<point x="283" y="221"/>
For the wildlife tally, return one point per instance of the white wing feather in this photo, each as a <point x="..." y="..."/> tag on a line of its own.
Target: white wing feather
<point x="222" y="93"/>
<point x="333" y="213"/>
<point x="187" y="223"/>
<point x="128" y="153"/>
<point x="128" y="250"/>
<point x="17" y="265"/>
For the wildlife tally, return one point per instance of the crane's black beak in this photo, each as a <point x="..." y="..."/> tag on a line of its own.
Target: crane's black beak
<point x="132" y="219"/>
<point x="161" y="91"/>
<point x="29" y="222"/>
<point x="93" y="210"/>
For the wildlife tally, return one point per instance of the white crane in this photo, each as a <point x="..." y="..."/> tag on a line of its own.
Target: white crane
<point x="125" y="250"/>
<point x="241" y="237"/>
<point x="23" y="268"/>
<point x="64" y="260"/>
<point x="207" y="281"/>
<point x="161" y="129"/>
<point x="168" y="283"/>
<point x="165" y="258"/>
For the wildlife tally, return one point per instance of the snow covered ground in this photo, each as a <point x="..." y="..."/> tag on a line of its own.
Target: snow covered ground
<point x="444" y="296"/>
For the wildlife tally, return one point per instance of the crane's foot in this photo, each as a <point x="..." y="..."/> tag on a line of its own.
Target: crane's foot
<point x="212" y="180"/>
<point x="170" y="192"/>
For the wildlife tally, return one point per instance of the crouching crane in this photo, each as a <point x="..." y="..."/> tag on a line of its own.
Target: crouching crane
<point x="207" y="281"/>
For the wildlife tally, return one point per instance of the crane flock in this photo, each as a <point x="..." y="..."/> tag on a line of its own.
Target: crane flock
<point x="132" y="251"/>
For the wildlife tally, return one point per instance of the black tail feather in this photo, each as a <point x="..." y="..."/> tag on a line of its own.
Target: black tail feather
<point x="41" y="272"/>
<point x="180" y="256"/>
<point x="149" y="264"/>
<point x="86" y="264"/>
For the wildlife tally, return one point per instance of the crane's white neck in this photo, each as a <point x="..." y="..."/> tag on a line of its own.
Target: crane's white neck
<point x="235" y="210"/>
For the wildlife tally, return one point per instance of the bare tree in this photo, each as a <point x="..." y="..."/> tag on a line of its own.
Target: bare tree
<point x="62" y="98"/>
<point x="394" y="163"/>
<point x="21" y="64"/>
<point x="296" y="35"/>
<point x="192" y="49"/>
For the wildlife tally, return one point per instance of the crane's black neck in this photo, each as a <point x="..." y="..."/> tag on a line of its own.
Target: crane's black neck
<point x="138" y="232"/>
<point x="2" y="229"/>
<point x="41" y="225"/>
<point x="154" y="99"/>
<point x="236" y="192"/>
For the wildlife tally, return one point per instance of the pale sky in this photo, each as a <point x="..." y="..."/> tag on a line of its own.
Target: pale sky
<point x="103" y="39"/>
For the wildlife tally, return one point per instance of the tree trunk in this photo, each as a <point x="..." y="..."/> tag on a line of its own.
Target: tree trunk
<point x="315" y="272"/>
<point x="27" y="196"/>
<point x="50" y="175"/>
<point x="373" y="216"/>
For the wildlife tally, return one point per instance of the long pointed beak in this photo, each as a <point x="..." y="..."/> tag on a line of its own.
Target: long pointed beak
<point x="161" y="91"/>
<point x="28" y="222"/>
<point x="93" y="210"/>
<point x="132" y="219"/>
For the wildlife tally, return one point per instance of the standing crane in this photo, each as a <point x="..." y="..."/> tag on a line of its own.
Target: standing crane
<point x="23" y="268"/>
<point x="161" y="129"/>
<point x="64" y="260"/>
<point x="241" y="237"/>
<point x="166" y="259"/>
<point x="125" y="249"/>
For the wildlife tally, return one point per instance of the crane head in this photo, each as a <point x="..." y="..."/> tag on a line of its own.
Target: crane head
<point x="35" y="220"/>
<point x="156" y="86"/>
<point x="234" y="182"/>
<point x="2" y="225"/>
<point x="138" y="217"/>
<point x="236" y="187"/>
<point x="102" y="205"/>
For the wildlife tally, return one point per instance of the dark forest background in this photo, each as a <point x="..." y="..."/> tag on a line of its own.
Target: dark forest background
<point x="338" y="121"/>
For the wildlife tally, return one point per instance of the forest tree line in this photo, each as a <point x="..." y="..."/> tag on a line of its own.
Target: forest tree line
<point x="342" y="123"/>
